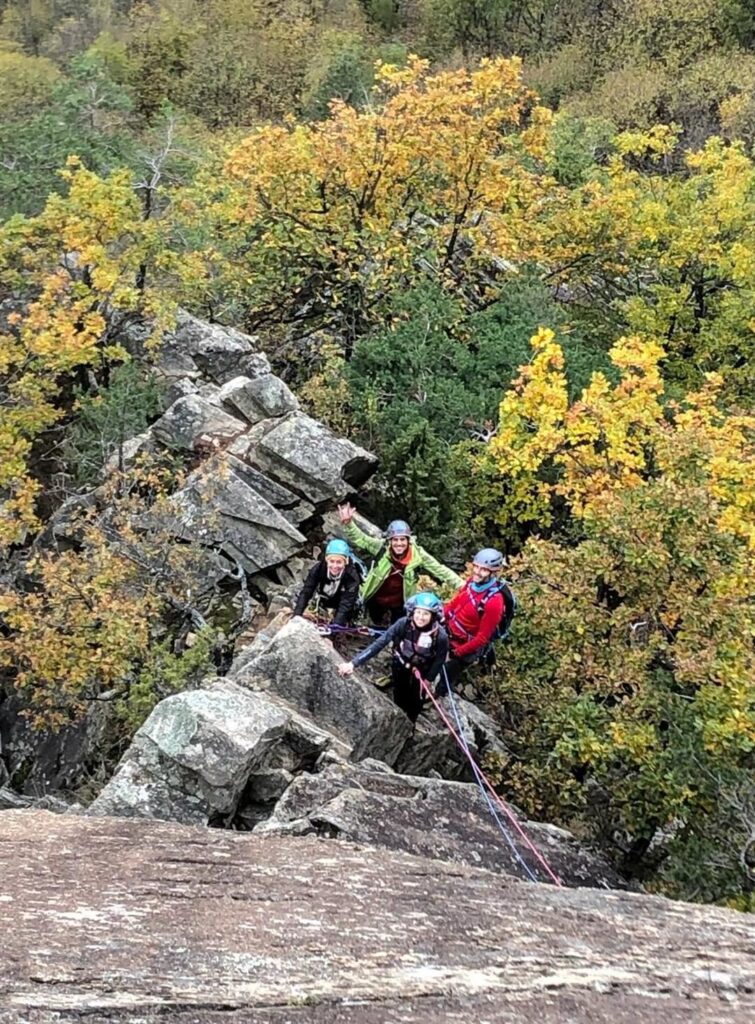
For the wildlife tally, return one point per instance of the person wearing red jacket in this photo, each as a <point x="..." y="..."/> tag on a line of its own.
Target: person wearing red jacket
<point x="473" y="616"/>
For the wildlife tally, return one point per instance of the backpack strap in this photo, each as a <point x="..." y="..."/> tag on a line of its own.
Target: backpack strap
<point x="497" y="588"/>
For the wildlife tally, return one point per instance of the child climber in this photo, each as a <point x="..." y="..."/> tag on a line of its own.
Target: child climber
<point x="419" y="642"/>
<point x="334" y="581"/>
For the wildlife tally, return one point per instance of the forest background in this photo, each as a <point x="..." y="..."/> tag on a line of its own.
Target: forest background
<point x="508" y="246"/>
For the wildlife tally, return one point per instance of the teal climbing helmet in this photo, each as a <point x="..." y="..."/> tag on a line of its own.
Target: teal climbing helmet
<point x="427" y="601"/>
<point x="338" y="547"/>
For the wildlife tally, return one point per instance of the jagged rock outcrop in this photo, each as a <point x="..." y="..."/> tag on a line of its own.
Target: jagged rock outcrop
<point x="197" y="350"/>
<point x="279" y="465"/>
<point x="434" y="818"/>
<point x="276" y="745"/>
<point x="265" y="473"/>
<point x="299" y="666"/>
<point x="266" y="746"/>
<point x="226" y="511"/>
<point x="192" y="758"/>
<point x="113" y="920"/>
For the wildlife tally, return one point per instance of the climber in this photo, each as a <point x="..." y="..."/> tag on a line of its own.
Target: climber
<point x="398" y="563"/>
<point x="419" y="642"/>
<point x="334" y="582"/>
<point x="475" y="616"/>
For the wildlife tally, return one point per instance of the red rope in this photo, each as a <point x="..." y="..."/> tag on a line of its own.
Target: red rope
<point x="499" y="800"/>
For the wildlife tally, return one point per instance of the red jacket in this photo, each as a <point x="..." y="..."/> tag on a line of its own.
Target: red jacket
<point x="469" y="631"/>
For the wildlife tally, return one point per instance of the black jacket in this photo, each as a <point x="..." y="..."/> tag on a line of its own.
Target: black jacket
<point x="343" y="600"/>
<point x="428" y="666"/>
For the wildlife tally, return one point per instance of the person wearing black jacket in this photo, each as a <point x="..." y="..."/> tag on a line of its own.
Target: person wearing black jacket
<point x="335" y="581"/>
<point x="419" y="643"/>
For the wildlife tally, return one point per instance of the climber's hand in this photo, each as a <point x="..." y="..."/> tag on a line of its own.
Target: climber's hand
<point x="346" y="669"/>
<point x="346" y="512"/>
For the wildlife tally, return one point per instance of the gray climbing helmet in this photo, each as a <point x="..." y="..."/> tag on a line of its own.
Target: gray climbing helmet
<point x="398" y="528"/>
<point x="489" y="558"/>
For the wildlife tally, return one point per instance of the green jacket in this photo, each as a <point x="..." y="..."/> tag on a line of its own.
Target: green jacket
<point x="419" y="564"/>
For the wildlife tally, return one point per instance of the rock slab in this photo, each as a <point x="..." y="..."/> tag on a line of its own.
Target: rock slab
<point x="133" y="921"/>
<point x="434" y="818"/>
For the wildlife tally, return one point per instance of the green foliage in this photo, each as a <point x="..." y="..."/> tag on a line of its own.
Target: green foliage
<point x="666" y="256"/>
<point x="104" y="421"/>
<point x="163" y="673"/>
<point x="627" y="697"/>
<point x="85" y="114"/>
<point x="342" y="71"/>
<point x="385" y="13"/>
<point x="433" y="379"/>
<point x="26" y="83"/>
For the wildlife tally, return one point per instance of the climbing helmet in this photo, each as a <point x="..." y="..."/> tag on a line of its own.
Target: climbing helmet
<point x="338" y="547"/>
<point x="398" y="528"/>
<point x="427" y="601"/>
<point x="489" y="558"/>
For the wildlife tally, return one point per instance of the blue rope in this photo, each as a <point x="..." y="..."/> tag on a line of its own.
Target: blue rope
<point x="478" y="777"/>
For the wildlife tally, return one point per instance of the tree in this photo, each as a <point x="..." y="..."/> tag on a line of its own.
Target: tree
<point x="666" y="255"/>
<point x="229" y="62"/>
<point x="319" y="223"/>
<point x="26" y="83"/>
<point x="86" y="114"/>
<point x="27" y="23"/>
<point x="86" y="256"/>
<point x="628" y="696"/>
<point x="93" y="621"/>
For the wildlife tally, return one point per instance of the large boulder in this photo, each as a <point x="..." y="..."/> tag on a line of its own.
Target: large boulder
<point x="258" y="399"/>
<point x="195" y="349"/>
<point x="434" y="818"/>
<point x="299" y="665"/>
<point x="306" y="456"/>
<point x="223" y="509"/>
<point x="111" y="921"/>
<point x="194" y="422"/>
<point x="219" y="353"/>
<point x="192" y="758"/>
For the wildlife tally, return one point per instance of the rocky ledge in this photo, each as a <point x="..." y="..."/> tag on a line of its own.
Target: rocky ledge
<point x="141" y="921"/>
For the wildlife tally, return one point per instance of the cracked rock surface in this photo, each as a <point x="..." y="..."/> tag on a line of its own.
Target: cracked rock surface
<point x="121" y="920"/>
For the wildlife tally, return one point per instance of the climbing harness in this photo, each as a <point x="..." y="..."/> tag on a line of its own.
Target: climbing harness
<point x="485" y="786"/>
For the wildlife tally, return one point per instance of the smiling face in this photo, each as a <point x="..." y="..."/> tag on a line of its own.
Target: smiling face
<point x="480" y="574"/>
<point x="399" y="546"/>
<point x="421" y="617"/>
<point x="336" y="564"/>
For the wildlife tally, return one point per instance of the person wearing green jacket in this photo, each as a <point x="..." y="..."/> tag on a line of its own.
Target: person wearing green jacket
<point x="399" y="562"/>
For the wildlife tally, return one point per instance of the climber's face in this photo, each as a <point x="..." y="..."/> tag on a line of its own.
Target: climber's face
<point x="480" y="574"/>
<point x="399" y="545"/>
<point x="336" y="564"/>
<point x="422" y="617"/>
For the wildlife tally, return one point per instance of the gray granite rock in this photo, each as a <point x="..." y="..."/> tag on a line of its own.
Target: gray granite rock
<point x="299" y="665"/>
<point x="118" y="921"/>
<point x="192" y="758"/>
<point x="193" y="422"/>
<point x="435" y="818"/>
<point x="212" y="351"/>
<point x="218" y="507"/>
<point x="306" y="456"/>
<point x="260" y="398"/>
<point x="271" y="491"/>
